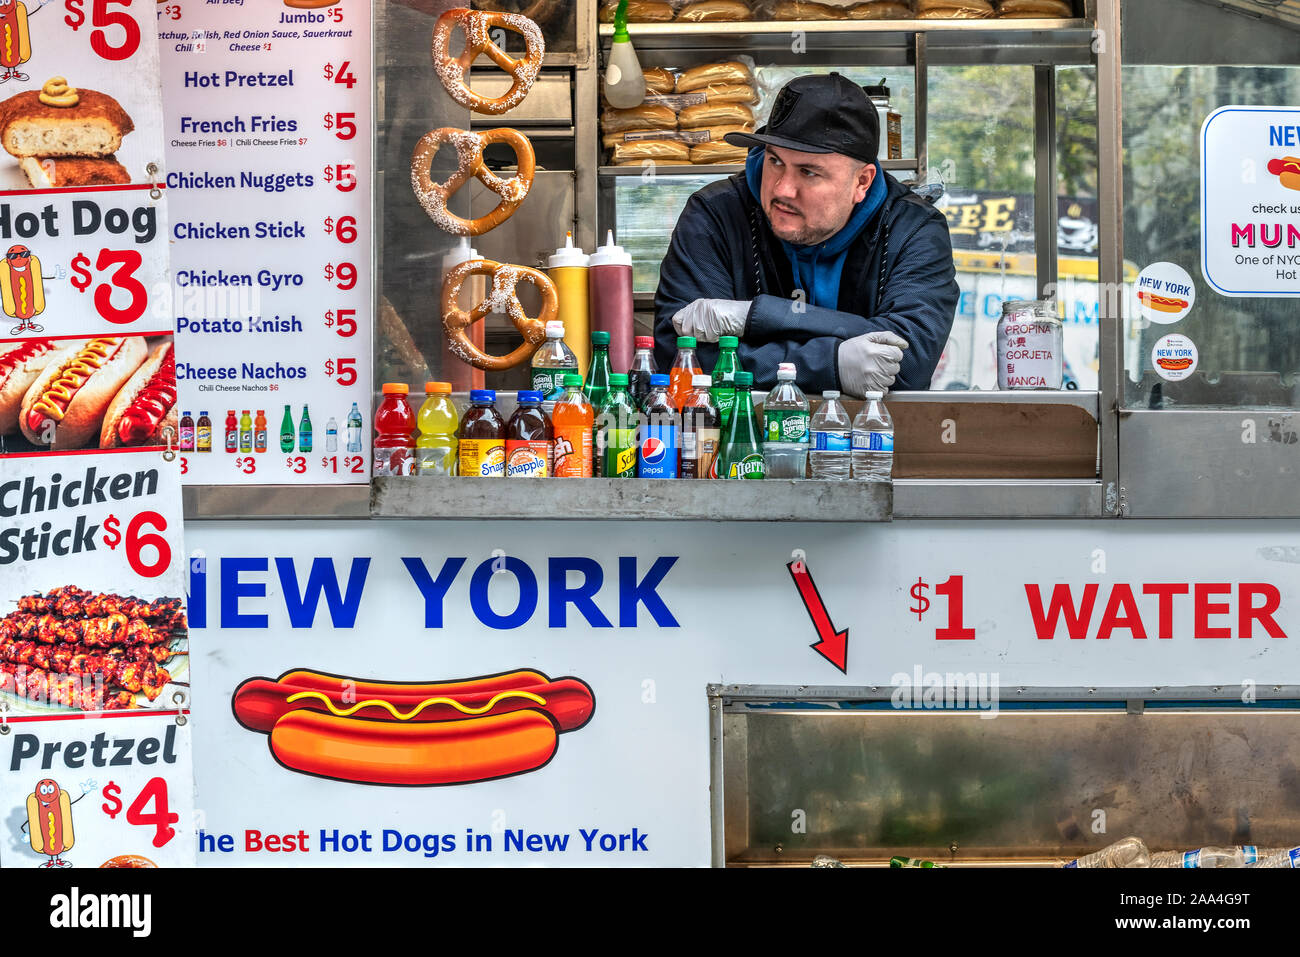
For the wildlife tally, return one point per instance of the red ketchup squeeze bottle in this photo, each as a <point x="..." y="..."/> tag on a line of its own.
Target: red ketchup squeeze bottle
<point x="394" y="446"/>
<point x="609" y="283"/>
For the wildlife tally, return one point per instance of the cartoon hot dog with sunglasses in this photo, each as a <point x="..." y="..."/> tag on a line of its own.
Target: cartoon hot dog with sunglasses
<point x="413" y="734"/>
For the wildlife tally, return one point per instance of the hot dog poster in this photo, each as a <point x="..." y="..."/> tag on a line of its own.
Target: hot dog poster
<point x="269" y="174"/>
<point x="1250" y="201"/>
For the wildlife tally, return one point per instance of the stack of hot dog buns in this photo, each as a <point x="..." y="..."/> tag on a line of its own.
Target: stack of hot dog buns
<point x="109" y="391"/>
<point x="684" y="117"/>
<point x="684" y="11"/>
<point x="707" y="11"/>
<point x="64" y="136"/>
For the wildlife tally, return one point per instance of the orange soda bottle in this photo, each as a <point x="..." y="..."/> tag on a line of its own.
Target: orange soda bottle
<point x="571" y="424"/>
<point x="685" y="367"/>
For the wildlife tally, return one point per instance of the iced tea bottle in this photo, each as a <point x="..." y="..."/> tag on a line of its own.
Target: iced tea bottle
<point x="481" y="441"/>
<point x="528" y="439"/>
<point x="394" y="445"/>
<point x="572" y="423"/>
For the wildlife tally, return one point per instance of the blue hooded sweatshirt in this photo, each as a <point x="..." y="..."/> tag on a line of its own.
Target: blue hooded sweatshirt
<point x="817" y="268"/>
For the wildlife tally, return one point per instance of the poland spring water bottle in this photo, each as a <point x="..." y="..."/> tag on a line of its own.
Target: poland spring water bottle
<point x="873" y="441"/>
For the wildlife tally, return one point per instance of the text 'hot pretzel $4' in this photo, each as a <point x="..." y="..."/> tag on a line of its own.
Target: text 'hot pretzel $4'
<point x="501" y="298"/>
<point x="476" y="24"/>
<point x="469" y="164"/>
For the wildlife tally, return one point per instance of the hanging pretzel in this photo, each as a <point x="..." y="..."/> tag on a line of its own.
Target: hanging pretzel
<point x="475" y="23"/>
<point x="469" y="163"/>
<point x="501" y="298"/>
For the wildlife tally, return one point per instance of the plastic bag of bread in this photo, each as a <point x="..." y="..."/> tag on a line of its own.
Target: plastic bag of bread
<point x="715" y="134"/>
<point x="953" y="9"/>
<point x="714" y="114"/>
<point x="711" y="11"/>
<point x="718" y="152"/>
<point x="638" y="118"/>
<point x="730" y="93"/>
<point x="661" y="151"/>
<point x="726" y="73"/>
<point x="1034" y="9"/>
<point x="880" y="10"/>
<point x="659" y="80"/>
<point x="639" y="11"/>
<point x="804" y="10"/>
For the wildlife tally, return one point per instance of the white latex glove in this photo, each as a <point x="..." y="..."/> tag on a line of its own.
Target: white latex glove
<point x="708" y="319"/>
<point x="869" y="363"/>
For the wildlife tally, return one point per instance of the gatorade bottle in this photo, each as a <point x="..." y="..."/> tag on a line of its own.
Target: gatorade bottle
<point x="528" y="439"/>
<point x="639" y="373"/>
<point x="245" y="432"/>
<point x="724" y="378"/>
<point x="742" y="449"/>
<point x="187" y="432"/>
<point x="572" y="422"/>
<point x="286" y="431"/>
<point x="701" y="432"/>
<point x="660" y="433"/>
<point x="616" y="427"/>
<point x="482" y="438"/>
<point x="259" y="432"/>
<point x="435" y="449"/>
<point x="232" y="431"/>
<point x="685" y="368"/>
<point x="394" y="425"/>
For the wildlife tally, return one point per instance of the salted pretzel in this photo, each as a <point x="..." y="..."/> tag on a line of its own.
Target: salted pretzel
<point x="476" y="23"/>
<point x="469" y="163"/>
<point x="500" y="298"/>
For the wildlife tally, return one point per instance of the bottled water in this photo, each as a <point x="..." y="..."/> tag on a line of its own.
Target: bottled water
<point x="1130" y="852"/>
<point x="1287" y="858"/>
<point x="1207" y="857"/>
<point x="873" y="441"/>
<point x="785" y="432"/>
<point x="830" y="453"/>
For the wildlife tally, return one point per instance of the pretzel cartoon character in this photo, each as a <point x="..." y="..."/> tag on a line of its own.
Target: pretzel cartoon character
<point x="476" y="24"/>
<point x="49" y="822"/>
<point x="501" y="298"/>
<point x="22" y="290"/>
<point x="15" y="40"/>
<point x="469" y="163"/>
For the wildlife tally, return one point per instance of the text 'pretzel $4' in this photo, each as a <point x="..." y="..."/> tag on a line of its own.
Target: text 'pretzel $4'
<point x="500" y="298"/>
<point x="476" y="23"/>
<point x="469" y="164"/>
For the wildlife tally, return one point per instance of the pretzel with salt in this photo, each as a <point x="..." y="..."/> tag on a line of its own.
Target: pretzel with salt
<point x="475" y="23"/>
<point x="500" y="298"/>
<point x="469" y="159"/>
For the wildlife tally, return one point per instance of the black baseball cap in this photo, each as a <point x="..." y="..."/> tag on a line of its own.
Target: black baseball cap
<point x="823" y="113"/>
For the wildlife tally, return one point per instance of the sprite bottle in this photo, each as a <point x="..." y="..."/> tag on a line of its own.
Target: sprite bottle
<point x="616" y="425"/>
<point x="724" y="378"/>
<point x="742" y="450"/>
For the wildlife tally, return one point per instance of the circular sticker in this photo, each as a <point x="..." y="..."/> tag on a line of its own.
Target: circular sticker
<point x="1164" y="292"/>
<point x="1174" y="357"/>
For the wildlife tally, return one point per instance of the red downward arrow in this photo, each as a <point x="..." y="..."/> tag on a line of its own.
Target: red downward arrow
<point x="830" y="644"/>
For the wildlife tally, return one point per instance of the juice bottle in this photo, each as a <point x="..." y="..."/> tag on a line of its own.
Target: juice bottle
<point x="187" y="433"/>
<point x="572" y="423"/>
<point x="232" y="431"/>
<point x="481" y="441"/>
<point x="245" y="432"/>
<point x="435" y="449"/>
<point x="685" y="368"/>
<point x="259" y="431"/>
<point x="394" y="424"/>
<point x="528" y="439"/>
<point x="286" y="431"/>
<point x="203" y="437"/>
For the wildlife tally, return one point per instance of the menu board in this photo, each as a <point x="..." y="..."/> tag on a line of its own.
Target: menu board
<point x="268" y="117"/>
<point x="94" y="667"/>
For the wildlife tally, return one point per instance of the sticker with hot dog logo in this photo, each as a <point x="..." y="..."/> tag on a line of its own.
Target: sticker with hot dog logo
<point x="1174" y="357"/>
<point x="413" y="734"/>
<point x="1164" y="292"/>
<point x="1287" y="171"/>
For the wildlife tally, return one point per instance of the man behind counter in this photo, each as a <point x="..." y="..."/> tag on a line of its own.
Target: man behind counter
<point x="812" y="255"/>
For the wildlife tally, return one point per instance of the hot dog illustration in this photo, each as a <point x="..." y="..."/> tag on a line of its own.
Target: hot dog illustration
<point x="15" y="40"/>
<point x="414" y="734"/>
<point x="1287" y="170"/>
<point x="49" y="822"/>
<point x="22" y="290"/>
<point x="1174" y="365"/>
<point x="1161" y="303"/>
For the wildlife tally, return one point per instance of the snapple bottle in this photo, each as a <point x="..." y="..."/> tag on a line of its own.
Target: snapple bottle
<point x="528" y="439"/>
<point x="481" y="441"/>
<point x="394" y="445"/>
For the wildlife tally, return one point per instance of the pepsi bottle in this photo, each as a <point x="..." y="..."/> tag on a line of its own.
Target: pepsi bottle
<point x="659" y="436"/>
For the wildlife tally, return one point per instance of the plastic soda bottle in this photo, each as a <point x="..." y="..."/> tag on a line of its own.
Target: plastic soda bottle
<point x="552" y="361"/>
<point x="724" y="378"/>
<point x="481" y="441"/>
<point x="873" y="441"/>
<point x="394" y="446"/>
<point x="232" y="431"/>
<point x="529" y="440"/>
<point x="685" y="368"/>
<point x="286" y="431"/>
<point x="660" y="433"/>
<point x="785" y="426"/>
<point x="742" y="449"/>
<point x="354" y="429"/>
<point x="332" y="435"/>
<point x="830" y="452"/>
<point x="597" y="384"/>
<point x="203" y="437"/>
<point x="435" y="448"/>
<point x="701" y="432"/>
<point x="259" y="432"/>
<point x="187" y="432"/>
<point x="642" y="368"/>
<point x="304" y="431"/>
<point x="572" y="423"/>
<point x="616" y="428"/>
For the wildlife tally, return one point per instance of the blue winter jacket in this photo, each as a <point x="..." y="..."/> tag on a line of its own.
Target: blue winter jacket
<point x="898" y="275"/>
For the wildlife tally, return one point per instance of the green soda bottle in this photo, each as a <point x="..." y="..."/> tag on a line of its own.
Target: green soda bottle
<point x="287" y="432"/>
<point x="597" y="384"/>
<point x="616" y="429"/>
<point x="911" y="862"/>
<point x="742" y="450"/>
<point x="724" y="378"/>
<point x="304" y="432"/>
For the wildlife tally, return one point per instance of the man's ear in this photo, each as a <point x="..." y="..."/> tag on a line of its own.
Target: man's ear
<point x="866" y="176"/>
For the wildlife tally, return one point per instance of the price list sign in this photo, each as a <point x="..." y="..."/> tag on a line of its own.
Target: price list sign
<point x="94" y="654"/>
<point x="268" y="118"/>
